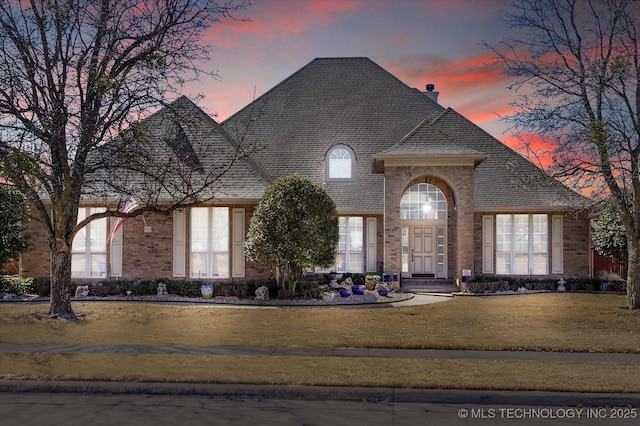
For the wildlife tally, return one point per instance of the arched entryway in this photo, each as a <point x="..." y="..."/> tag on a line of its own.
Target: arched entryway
<point x="423" y="219"/>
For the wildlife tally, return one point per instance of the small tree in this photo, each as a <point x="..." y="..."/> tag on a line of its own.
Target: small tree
<point x="13" y="237"/>
<point x="608" y="236"/>
<point x="294" y="226"/>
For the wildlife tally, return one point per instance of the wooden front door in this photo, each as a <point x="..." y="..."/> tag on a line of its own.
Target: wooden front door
<point x="423" y="250"/>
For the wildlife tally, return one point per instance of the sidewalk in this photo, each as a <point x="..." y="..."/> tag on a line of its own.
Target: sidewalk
<point x="320" y="352"/>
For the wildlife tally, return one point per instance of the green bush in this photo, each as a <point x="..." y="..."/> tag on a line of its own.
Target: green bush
<point x="15" y="285"/>
<point x="185" y="288"/>
<point x="493" y="283"/>
<point x="309" y="287"/>
<point x="41" y="286"/>
<point x="358" y="279"/>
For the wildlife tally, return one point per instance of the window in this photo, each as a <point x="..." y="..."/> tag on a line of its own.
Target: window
<point x="350" y="257"/>
<point x="522" y="244"/>
<point x="423" y="201"/>
<point x="89" y="248"/>
<point x="340" y="164"/>
<point x="210" y="242"/>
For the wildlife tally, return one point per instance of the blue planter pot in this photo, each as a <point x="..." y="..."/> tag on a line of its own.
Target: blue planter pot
<point x="358" y="289"/>
<point x="383" y="292"/>
<point x="207" y="291"/>
<point x="345" y="293"/>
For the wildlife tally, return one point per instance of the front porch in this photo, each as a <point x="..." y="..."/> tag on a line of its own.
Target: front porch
<point x="428" y="285"/>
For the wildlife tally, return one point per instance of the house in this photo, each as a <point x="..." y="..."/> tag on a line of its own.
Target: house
<point x="421" y="191"/>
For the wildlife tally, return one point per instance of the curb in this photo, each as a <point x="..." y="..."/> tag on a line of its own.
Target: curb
<point x="328" y="393"/>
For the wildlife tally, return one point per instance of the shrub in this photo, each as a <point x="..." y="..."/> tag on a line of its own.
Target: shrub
<point x="41" y="286"/>
<point x="15" y="285"/>
<point x="186" y="288"/>
<point x="309" y="287"/>
<point x="358" y="279"/>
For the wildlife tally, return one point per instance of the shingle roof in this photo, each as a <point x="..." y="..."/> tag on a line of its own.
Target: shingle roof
<point x="426" y="142"/>
<point x="506" y="180"/>
<point x="355" y="102"/>
<point x="330" y="101"/>
<point x="185" y="150"/>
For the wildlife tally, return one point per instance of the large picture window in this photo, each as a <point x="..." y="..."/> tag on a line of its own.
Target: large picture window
<point x="522" y="244"/>
<point x="350" y="257"/>
<point x="210" y="242"/>
<point x="89" y="248"/>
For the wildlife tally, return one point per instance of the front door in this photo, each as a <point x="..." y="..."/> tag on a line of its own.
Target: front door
<point x="423" y="250"/>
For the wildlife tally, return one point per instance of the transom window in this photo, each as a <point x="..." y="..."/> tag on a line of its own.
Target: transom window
<point x="340" y="164"/>
<point x="423" y="201"/>
<point x="210" y="242"/>
<point x="89" y="247"/>
<point x="522" y="242"/>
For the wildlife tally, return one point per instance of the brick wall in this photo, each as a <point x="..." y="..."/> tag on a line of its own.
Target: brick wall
<point x="36" y="262"/>
<point x="147" y="254"/>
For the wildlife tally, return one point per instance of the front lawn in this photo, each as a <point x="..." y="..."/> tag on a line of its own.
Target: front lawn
<point x="552" y="322"/>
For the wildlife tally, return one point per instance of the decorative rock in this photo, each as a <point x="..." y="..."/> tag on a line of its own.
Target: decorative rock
<point x="348" y="282"/>
<point x="262" y="293"/>
<point x="162" y="290"/>
<point x="522" y="290"/>
<point x="8" y="296"/>
<point x="328" y="296"/>
<point x="82" y="291"/>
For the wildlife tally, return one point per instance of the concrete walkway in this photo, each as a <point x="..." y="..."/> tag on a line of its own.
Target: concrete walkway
<point x="319" y="352"/>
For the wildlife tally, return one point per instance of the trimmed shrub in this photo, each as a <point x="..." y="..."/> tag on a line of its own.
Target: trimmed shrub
<point x="15" y="285"/>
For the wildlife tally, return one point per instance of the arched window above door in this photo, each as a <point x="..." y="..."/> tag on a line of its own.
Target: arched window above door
<point x="423" y="201"/>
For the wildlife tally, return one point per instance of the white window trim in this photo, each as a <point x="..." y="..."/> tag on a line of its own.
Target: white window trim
<point x="210" y="251"/>
<point x="531" y="253"/>
<point x="348" y="251"/>
<point x="88" y="252"/>
<point x="328" y="178"/>
<point x="179" y="244"/>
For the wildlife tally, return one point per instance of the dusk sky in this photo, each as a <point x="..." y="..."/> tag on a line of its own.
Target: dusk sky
<point x="419" y="41"/>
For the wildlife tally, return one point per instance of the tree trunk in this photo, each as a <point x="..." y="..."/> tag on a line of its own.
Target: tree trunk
<point x="60" y="282"/>
<point x="633" y="274"/>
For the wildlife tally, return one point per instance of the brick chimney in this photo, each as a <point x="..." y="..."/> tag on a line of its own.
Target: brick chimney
<point x="431" y="94"/>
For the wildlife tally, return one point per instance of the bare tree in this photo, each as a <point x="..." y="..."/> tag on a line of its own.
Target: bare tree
<point x="576" y="66"/>
<point x="74" y="74"/>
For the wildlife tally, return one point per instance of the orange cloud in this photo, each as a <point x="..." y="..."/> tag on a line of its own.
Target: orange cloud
<point x="276" y="19"/>
<point x="538" y="149"/>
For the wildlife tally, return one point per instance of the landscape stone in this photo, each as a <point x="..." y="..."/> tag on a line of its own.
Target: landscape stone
<point x="262" y="293"/>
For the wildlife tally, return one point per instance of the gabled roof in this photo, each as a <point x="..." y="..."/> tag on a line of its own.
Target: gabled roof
<point x="426" y="143"/>
<point x="355" y="102"/>
<point x="506" y="180"/>
<point x="180" y="149"/>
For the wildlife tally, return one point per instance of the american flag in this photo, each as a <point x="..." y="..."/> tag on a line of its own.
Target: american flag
<point x="130" y="205"/>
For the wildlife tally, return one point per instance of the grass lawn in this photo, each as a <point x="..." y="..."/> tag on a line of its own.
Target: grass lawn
<point x="550" y="322"/>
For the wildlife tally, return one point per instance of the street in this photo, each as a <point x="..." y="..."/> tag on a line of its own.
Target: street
<point x="25" y="409"/>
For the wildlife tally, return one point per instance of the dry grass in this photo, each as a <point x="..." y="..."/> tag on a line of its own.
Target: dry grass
<point x="558" y="322"/>
<point x="329" y="371"/>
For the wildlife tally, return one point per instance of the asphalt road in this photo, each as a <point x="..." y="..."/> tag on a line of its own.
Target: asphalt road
<point x="25" y="409"/>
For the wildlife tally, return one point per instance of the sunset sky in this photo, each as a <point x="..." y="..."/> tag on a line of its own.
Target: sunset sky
<point x="419" y="41"/>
